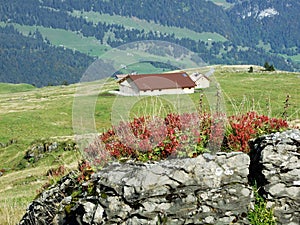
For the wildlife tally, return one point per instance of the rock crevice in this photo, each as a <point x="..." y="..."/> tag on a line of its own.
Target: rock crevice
<point x="275" y="167"/>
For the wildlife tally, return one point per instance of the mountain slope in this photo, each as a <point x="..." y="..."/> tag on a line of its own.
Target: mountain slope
<point x="275" y="22"/>
<point x="195" y="15"/>
<point x="31" y="60"/>
<point x="252" y="32"/>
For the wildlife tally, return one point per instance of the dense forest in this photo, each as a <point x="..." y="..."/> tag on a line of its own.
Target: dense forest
<point x="275" y="22"/>
<point x="252" y="37"/>
<point x="32" y="60"/>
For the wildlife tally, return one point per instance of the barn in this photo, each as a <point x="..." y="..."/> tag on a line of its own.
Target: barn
<point x="200" y="80"/>
<point x="156" y="84"/>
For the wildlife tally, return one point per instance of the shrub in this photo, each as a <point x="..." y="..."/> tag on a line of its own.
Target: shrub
<point x="244" y="127"/>
<point x="85" y="171"/>
<point x="269" y="67"/>
<point x="185" y="135"/>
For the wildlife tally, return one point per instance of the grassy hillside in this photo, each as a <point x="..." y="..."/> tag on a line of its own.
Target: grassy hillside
<point x="29" y="115"/>
<point x="67" y="39"/>
<point x="261" y="91"/>
<point x="14" y="88"/>
<point x="135" y="23"/>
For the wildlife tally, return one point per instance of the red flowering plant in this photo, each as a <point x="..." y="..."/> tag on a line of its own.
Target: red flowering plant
<point x="142" y="135"/>
<point x="85" y="170"/>
<point x="134" y="139"/>
<point x="169" y="142"/>
<point x="185" y="135"/>
<point x="154" y="138"/>
<point x="244" y="127"/>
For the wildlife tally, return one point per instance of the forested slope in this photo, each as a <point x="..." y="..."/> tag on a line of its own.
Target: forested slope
<point x="254" y="31"/>
<point x="32" y="60"/>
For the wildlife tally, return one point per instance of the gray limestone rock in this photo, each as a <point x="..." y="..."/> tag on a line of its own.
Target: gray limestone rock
<point x="275" y="166"/>
<point x="177" y="191"/>
<point x="209" y="189"/>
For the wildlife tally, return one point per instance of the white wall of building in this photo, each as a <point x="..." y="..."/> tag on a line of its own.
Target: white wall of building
<point x="127" y="88"/>
<point x="174" y="91"/>
<point x="202" y="82"/>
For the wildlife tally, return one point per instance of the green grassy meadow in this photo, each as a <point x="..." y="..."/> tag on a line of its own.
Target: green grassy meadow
<point x="68" y="39"/>
<point x="135" y="23"/>
<point x="262" y="92"/>
<point x="14" y="88"/>
<point x="29" y="114"/>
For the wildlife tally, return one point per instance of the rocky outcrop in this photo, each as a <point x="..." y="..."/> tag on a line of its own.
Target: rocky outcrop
<point x="203" y="190"/>
<point x="209" y="189"/>
<point x="275" y="166"/>
<point x="43" y="147"/>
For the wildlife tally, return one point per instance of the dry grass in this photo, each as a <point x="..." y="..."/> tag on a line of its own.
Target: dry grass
<point x="11" y="212"/>
<point x="19" y="188"/>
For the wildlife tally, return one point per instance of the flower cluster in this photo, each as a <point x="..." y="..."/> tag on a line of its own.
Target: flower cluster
<point x="251" y="125"/>
<point x="153" y="138"/>
<point x="96" y="153"/>
<point x="184" y="135"/>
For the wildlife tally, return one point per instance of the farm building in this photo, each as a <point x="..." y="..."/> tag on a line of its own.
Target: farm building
<point x="200" y="80"/>
<point x="156" y="84"/>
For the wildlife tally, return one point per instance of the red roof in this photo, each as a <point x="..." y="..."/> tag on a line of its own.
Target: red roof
<point x="161" y="81"/>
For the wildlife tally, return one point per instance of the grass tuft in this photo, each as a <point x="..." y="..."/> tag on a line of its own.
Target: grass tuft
<point x="260" y="214"/>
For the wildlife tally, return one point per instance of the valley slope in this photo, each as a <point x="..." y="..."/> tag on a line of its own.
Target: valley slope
<point x="221" y="32"/>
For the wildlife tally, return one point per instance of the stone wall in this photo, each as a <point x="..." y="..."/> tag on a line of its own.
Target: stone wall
<point x="203" y="190"/>
<point x="275" y="166"/>
<point x="209" y="189"/>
